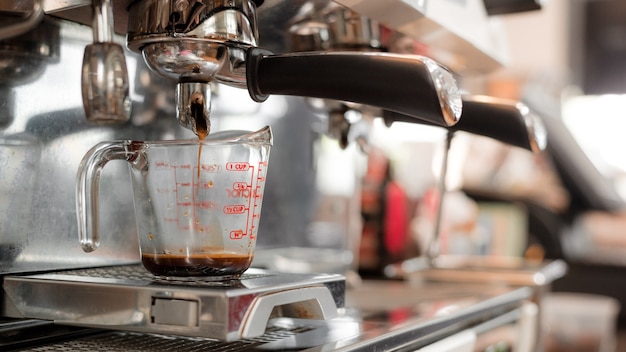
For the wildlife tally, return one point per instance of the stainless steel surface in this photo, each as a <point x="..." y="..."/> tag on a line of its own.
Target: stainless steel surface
<point x="488" y="271"/>
<point x="199" y="21"/>
<point x="459" y="33"/>
<point x="418" y="313"/>
<point x="43" y="135"/>
<point x="130" y="298"/>
<point x="333" y="27"/>
<point x="464" y="269"/>
<point x="380" y="315"/>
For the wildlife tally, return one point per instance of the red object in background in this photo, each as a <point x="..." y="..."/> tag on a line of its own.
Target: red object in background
<point x="371" y="247"/>
<point x="385" y="211"/>
<point x="396" y="219"/>
<point x="399" y="43"/>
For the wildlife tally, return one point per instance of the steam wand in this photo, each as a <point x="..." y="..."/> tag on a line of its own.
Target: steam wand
<point x="432" y="252"/>
<point x="507" y="121"/>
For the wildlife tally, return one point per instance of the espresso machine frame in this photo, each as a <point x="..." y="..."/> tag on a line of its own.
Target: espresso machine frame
<point x="44" y="132"/>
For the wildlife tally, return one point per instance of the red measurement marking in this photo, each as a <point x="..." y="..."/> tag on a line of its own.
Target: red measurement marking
<point x="211" y="167"/>
<point x="185" y="184"/>
<point x="236" y="235"/>
<point x="240" y="185"/>
<point x="237" y="166"/>
<point x="234" y="209"/>
<point x="185" y="166"/>
<point x="205" y="204"/>
<point x="238" y="193"/>
<point x="184" y="204"/>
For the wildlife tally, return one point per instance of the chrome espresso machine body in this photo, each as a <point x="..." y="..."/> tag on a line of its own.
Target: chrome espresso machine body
<point x="45" y="132"/>
<point x="69" y="79"/>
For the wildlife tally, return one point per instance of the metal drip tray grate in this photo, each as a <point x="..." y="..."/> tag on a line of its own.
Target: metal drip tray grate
<point x="134" y="342"/>
<point x="136" y="273"/>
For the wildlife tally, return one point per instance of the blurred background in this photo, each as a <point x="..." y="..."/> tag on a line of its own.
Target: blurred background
<point x="567" y="63"/>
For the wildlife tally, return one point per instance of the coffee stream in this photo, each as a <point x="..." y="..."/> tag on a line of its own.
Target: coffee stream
<point x="202" y="128"/>
<point x="198" y="264"/>
<point x="198" y="115"/>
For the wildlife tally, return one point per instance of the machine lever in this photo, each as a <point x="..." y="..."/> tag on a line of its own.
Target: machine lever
<point x="509" y="122"/>
<point x="408" y="84"/>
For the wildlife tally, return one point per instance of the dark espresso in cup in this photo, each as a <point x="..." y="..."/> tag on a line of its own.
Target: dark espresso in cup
<point x="202" y="264"/>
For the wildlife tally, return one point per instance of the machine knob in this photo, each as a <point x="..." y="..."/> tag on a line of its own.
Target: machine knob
<point x="104" y="74"/>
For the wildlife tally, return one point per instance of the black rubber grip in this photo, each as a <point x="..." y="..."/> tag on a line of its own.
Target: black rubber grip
<point x="392" y="82"/>
<point x="501" y="121"/>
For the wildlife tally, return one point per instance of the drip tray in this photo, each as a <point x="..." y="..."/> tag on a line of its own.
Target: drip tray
<point x="131" y="299"/>
<point x="281" y="334"/>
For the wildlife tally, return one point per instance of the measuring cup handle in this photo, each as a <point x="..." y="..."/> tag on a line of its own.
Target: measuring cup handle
<point x="87" y="186"/>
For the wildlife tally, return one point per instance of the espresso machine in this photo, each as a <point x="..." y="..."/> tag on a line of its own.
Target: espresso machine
<point x="80" y="72"/>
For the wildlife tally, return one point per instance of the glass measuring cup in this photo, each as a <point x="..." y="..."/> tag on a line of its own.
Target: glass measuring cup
<point x="197" y="202"/>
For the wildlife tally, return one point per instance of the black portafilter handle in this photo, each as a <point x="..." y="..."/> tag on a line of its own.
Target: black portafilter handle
<point x="414" y="86"/>
<point x="507" y="121"/>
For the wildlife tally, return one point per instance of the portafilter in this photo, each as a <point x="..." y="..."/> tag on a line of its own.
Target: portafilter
<point x="196" y="42"/>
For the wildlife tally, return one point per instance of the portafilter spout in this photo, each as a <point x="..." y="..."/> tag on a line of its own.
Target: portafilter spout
<point x="199" y="41"/>
<point x="194" y="42"/>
